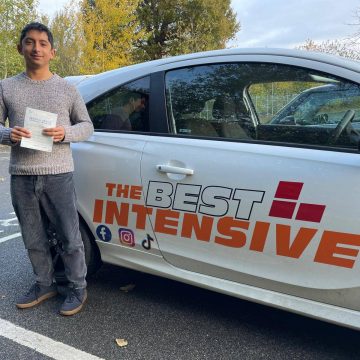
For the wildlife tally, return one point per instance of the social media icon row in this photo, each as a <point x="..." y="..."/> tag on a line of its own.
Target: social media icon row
<point x="126" y="236"/>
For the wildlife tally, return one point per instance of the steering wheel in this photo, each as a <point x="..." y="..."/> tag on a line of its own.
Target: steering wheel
<point x="343" y="123"/>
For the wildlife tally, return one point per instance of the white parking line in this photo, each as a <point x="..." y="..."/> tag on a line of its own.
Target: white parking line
<point x="9" y="222"/>
<point x="6" y="238"/>
<point x="42" y="344"/>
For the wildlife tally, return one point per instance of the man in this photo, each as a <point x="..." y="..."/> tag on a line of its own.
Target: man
<point x="42" y="188"/>
<point x="119" y="119"/>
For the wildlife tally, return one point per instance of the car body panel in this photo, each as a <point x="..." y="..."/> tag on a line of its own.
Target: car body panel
<point x="107" y="157"/>
<point x="230" y="168"/>
<point x="156" y="265"/>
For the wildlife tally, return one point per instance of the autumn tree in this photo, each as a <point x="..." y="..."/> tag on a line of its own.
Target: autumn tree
<point x="14" y="15"/>
<point x="68" y="40"/>
<point x="110" y="29"/>
<point x="183" y="26"/>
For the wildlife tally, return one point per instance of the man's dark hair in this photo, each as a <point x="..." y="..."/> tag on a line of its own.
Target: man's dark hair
<point x="127" y="96"/>
<point x="39" y="27"/>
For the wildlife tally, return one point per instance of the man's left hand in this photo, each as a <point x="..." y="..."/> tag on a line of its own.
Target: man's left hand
<point x="57" y="133"/>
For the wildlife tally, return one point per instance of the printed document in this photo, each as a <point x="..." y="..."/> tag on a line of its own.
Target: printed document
<point x="36" y="121"/>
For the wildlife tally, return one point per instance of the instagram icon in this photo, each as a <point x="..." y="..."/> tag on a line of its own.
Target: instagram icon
<point x="126" y="237"/>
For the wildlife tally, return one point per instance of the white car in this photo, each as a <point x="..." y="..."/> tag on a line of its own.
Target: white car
<point x="188" y="176"/>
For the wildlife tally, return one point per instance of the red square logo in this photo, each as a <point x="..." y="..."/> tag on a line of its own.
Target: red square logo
<point x="282" y="209"/>
<point x="310" y="212"/>
<point x="289" y="190"/>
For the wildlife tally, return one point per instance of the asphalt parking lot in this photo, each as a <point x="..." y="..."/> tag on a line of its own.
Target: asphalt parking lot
<point x="160" y="318"/>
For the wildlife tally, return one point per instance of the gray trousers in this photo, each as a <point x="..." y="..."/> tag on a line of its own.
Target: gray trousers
<point x="38" y="200"/>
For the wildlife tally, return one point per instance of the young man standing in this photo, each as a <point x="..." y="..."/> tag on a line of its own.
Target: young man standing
<point x="42" y="188"/>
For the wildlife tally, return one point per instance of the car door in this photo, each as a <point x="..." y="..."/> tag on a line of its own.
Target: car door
<point x="229" y="201"/>
<point x="112" y="201"/>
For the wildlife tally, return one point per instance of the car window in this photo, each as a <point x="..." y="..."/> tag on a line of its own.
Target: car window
<point x="263" y="101"/>
<point x="314" y="105"/>
<point x="270" y="97"/>
<point x="123" y="108"/>
<point x="207" y="101"/>
<point x="326" y="104"/>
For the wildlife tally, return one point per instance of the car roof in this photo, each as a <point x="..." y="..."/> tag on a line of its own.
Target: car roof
<point x="306" y="55"/>
<point x="77" y="79"/>
<point x="151" y="66"/>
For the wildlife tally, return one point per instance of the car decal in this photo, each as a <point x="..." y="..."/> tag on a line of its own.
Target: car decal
<point x="224" y="216"/>
<point x="103" y="233"/>
<point x="127" y="237"/>
<point x="285" y="209"/>
<point x="146" y="243"/>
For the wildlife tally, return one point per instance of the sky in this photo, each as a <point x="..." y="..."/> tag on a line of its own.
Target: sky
<point x="280" y="23"/>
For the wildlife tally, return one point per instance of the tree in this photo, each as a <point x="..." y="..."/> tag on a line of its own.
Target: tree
<point x="14" y="15"/>
<point x="346" y="47"/>
<point x="183" y="26"/>
<point x="68" y="41"/>
<point x="110" y="28"/>
<point x="349" y="47"/>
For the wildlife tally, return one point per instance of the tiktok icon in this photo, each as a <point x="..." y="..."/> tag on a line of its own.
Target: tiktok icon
<point x="146" y="244"/>
<point x="103" y="233"/>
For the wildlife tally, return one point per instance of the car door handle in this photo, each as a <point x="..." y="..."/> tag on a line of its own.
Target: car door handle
<point x="174" y="170"/>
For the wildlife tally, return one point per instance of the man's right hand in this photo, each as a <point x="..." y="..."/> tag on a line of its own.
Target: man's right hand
<point x="17" y="133"/>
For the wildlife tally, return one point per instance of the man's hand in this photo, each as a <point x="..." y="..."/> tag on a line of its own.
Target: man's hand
<point x="57" y="133"/>
<point x="17" y="133"/>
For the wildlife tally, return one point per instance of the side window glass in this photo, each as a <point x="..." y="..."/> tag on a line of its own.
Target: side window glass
<point x="124" y="108"/>
<point x="270" y="97"/>
<point x="302" y="106"/>
<point x="205" y="101"/>
<point x="264" y="101"/>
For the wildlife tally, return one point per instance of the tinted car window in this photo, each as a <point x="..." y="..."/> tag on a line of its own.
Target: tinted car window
<point x="267" y="102"/>
<point x="208" y="101"/>
<point x="123" y="108"/>
<point x="321" y="105"/>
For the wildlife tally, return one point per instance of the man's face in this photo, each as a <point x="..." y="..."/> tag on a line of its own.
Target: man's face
<point x="138" y="104"/>
<point x="36" y="49"/>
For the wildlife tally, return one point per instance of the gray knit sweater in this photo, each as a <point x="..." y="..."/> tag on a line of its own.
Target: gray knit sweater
<point x="54" y="95"/>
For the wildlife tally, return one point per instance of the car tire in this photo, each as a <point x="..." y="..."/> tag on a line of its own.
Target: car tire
<point x="92" y="254"/>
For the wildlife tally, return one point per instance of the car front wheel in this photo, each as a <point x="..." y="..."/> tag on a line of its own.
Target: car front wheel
<point x="92" y="254"/>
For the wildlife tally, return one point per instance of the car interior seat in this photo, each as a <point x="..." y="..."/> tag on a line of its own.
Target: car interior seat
<point x="189" y="121"/>
<point x="224" y="111"/>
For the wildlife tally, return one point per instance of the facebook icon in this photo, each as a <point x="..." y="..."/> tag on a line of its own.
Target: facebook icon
<point x="103" y="233"/>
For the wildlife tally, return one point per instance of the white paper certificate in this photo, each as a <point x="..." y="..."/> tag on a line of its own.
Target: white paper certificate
<point x="36" y="121"/>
